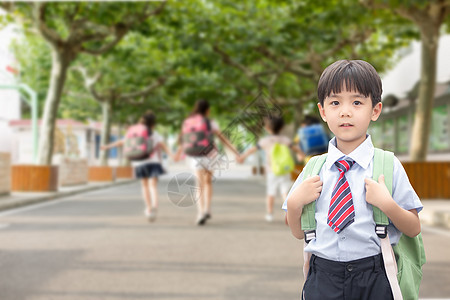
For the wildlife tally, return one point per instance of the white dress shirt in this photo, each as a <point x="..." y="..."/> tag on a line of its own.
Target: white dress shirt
<point x="359" y="239"/>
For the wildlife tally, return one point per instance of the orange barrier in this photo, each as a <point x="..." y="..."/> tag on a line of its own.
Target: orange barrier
<point x="102" y="174"/>
<point x="431" y="180"/>
<point x="297" y="170"/>
<point x="32" y="178"/>
<point x="124" y="172"/>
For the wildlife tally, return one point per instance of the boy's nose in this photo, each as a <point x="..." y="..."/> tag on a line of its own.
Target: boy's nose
<point x="345" y="113"/>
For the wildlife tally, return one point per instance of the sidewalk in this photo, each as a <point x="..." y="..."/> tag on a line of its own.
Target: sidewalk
<point x="436" y="212"/>
<point x="18" y="199"/>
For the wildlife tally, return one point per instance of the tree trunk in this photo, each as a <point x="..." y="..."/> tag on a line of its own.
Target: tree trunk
<point x="120" y="157"/>
<point x="424" y="105"/>
<point x="298" y="116"/>
<point x="106" y="131"/>
<point x="60" y="63"/>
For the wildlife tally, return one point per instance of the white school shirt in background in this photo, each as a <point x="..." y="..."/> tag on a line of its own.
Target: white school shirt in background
<point x="155" y="156"/>
<point x="359" y="239"/>
<point x="267" y="143"/>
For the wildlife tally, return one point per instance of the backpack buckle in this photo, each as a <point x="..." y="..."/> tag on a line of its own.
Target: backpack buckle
<point x="381" y="231"/>
<point x="309" y="235"/>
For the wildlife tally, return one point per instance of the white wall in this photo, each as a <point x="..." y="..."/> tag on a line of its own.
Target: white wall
<point x="406" y="73"/>
<point x="9" y="99"/>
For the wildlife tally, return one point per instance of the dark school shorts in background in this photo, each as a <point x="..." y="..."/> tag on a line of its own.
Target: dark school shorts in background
<point x="149" y="170"/>
<point x="362" y="279"/>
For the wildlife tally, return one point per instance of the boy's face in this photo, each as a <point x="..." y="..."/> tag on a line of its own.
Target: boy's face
<point x="348" y="115"/>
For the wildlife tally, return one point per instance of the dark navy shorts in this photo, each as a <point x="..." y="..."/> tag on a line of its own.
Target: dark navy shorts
<point x="148" y="170"/>
<point x="362" y="279"/>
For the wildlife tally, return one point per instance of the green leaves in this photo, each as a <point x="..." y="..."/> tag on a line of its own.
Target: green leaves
<point x="223" y="51"/>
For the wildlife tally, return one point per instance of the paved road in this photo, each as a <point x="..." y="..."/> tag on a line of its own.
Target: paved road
<point x="98" y="246"/>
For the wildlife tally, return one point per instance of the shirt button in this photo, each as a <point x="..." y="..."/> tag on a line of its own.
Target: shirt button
<point x="343" y="238"/>
<point x="349" y="268"/>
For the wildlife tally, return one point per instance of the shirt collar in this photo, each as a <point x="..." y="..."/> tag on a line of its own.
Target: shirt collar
<point x="362" y="155"/>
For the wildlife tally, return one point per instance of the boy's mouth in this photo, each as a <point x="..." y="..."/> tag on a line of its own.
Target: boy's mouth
<point x="345" y="125"/>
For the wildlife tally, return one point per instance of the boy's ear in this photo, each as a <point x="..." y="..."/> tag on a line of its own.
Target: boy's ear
<point x="376" y="111"/>
<point x="322" y="112"/>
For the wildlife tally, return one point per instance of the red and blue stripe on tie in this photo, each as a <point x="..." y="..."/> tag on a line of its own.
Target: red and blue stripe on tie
<point x="342" y="212"/>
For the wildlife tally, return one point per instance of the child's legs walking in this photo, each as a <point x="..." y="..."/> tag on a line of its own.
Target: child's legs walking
<point x="200" y="192"/>
<point x="271" y="191"/>
<point x="269" y="204"/>
<point x="153" y="182"/>
<point x="146" y="194"/>
<point x="208" y="190"/>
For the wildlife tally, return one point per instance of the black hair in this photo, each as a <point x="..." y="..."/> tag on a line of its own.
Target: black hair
<point x="354" y="75"/>
<point x="310" y="120"/>
<point x="148" y="119"/>
<point x="201" y="107"/>
<point x="275" y="123"/>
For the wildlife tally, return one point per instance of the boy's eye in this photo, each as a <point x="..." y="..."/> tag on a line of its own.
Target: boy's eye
<point x="357" y="102"/>
<point x="334" y="103"/>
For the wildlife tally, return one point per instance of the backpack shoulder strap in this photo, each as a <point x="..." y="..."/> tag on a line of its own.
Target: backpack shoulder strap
<point x="383" y="163"/>
<point x="313" y="167"/>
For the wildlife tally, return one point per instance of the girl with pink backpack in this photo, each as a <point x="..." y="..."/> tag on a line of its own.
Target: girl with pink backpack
<point x="143" y="147"/>
<point x="197" y="143"/>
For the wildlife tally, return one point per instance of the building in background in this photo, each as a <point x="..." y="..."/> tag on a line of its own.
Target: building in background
<point x="400" y="89"/>
<point x="73" y="139"/>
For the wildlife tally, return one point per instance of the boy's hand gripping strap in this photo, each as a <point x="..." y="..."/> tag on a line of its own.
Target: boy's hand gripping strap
<point x="308" y="219"/>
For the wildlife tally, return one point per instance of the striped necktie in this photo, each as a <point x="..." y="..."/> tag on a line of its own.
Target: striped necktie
<point x="341" y="212"/>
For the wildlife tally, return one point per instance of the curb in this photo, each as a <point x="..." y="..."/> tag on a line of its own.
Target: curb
<point x="439" y="219"/>
<point x="436" y="213"/>
<point x="23" y="199"/>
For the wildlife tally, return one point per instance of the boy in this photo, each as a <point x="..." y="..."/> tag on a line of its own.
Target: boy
<point x="273" y="125"/>
<point x="346" y="262"/>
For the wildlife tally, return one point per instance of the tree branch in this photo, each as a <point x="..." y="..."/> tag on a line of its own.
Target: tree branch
<point x="89" y="82"/>
<point x="290" y="66"/>
<point x="227" y="60"/>
<point x="129" y="96"/>
<point x="39" y="19"/>
<point x="119" y="33"/>
<point x="119" y="30"/>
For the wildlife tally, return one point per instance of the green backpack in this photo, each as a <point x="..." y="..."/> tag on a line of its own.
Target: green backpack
<point x="281" y="159"/>
<point x="409" y="252"/>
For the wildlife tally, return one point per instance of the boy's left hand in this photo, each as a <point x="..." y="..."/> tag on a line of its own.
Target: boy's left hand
<point x="377" y="193"/>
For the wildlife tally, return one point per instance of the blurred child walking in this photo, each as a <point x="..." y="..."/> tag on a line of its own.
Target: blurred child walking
<point x="150" y="167"/>
<point x="197" y="142"/>
<point x="275" y="179"/>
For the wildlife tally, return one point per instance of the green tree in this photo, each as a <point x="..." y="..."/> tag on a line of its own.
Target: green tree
<point x="428" y="16"/>
<point x="71" y="29"/>
<point x="268" y="40"/>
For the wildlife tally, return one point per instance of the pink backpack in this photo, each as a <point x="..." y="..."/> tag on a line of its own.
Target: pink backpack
<point x="197" y="136"/>
<point x="138" y="143"/>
